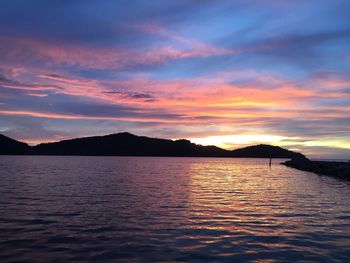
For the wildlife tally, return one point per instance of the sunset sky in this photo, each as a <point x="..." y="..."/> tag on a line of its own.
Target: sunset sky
<point x="228" y="73"/>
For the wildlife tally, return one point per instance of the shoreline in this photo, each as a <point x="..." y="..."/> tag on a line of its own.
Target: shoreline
<point x="336" y="169"/>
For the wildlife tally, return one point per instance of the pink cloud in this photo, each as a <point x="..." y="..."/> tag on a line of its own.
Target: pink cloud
<point x="31" y="50"/>
<point x="41" y="95"/>
<point x="215" y="99"/>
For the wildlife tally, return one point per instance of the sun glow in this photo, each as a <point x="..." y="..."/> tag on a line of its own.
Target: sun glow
<point x="230" y="141"/>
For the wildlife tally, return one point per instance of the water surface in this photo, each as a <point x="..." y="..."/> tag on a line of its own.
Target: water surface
<point x="169" y="209"/>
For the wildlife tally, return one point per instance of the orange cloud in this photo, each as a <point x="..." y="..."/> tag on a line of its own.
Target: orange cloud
<point x="214" y="96"/>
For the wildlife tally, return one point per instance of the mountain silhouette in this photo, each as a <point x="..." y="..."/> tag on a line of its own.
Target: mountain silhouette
<point x="127" y="144"/>
<point x="10" y="146"/>
<point x="265" y="151"/>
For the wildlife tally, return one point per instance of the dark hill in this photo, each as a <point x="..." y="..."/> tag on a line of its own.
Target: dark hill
<point x="11" y="146"/>
<point x="264" y="151"/>
<point x="126" y="144"/>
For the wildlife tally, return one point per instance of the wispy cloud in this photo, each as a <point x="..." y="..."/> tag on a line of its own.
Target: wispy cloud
<point x="175" y="69"/>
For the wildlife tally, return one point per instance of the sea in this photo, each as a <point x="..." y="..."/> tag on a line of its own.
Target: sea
<point x="152" y="209"/>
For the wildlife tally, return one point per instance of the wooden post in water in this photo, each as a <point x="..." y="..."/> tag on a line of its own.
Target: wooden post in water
<point x="270" y="162"/>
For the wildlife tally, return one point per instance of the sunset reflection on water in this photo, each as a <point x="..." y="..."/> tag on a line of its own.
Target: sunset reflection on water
<point x="169" y="209"/>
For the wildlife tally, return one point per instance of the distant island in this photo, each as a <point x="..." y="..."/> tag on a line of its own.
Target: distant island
<point x="127" y="144"/>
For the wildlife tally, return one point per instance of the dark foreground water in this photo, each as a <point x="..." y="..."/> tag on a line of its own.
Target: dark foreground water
<point x="63" y="209"/>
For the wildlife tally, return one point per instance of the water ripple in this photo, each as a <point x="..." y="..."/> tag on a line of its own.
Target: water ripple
<point x="169" y="209"/>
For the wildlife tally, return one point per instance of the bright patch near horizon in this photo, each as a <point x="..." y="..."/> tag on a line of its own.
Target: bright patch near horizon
<point x="231" y="141"/>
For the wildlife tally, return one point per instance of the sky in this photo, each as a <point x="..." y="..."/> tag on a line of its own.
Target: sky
<point x="225" y="73"/>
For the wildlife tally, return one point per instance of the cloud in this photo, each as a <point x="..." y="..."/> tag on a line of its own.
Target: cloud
<point x="132" y="95"/>
<point x="212" y="98"/>
<point x="29" y="51"/>
<point x="40" y="95"/>
<point x="182" y="68"/>
<point x="297" y="47"/>
<point x="84" y="117"/>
